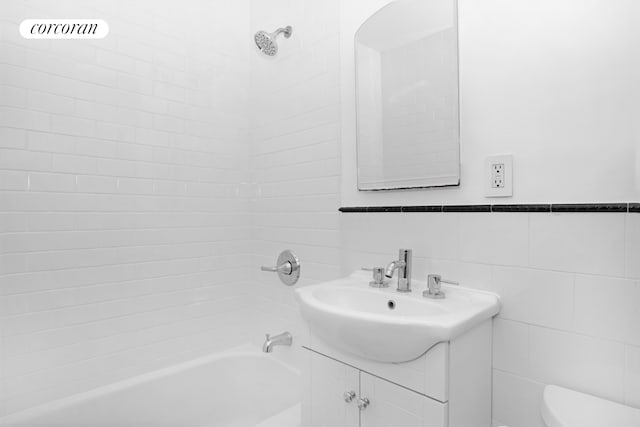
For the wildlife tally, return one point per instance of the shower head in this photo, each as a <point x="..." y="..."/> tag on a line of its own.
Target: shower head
<point x="266" y="42"/>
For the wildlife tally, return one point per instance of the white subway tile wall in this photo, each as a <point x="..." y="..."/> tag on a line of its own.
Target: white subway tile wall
<point x="570" y="311"/>
<point x="124" y="223"/>
<point x="294" y="155"/>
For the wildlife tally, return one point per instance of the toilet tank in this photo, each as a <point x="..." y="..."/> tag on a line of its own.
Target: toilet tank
<point x="562" y="407"/>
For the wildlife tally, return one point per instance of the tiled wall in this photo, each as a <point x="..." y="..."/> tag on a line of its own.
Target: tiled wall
<point x="402" y="106"/>
<point x="123" y="213"/>
<point x="295" y="153"/>
<point x="428" y="110"/>
<point x="569" y="284"/>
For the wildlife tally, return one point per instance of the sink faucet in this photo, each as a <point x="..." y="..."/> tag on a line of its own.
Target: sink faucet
<point x="403" y="265"/>
<point x="284" y="338"/>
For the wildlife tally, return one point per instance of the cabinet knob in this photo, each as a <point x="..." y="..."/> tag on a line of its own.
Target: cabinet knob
<point x="348" y="396"/>
<point x="363" y="402"/>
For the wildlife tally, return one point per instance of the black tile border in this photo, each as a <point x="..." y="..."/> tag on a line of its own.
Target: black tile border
<point x="521" y="208"/>
<point x="467" y="208"/>
<point x="590" y="207"/>
<point x="384" y="209"/>
<point x="555" y="207"/>
<point x="432" y="208"/>
<point x="352" y="209"/>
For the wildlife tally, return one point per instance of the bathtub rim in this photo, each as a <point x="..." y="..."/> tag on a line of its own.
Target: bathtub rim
<point x="76" y="398"/>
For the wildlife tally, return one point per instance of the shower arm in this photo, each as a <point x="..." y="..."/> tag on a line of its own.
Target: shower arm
<point x="286" y="30"/>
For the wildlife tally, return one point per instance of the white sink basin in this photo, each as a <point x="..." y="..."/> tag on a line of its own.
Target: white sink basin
<point x="388" y="326"/>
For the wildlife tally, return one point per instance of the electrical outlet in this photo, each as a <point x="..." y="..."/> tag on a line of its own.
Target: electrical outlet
<point x="499" y="176"/>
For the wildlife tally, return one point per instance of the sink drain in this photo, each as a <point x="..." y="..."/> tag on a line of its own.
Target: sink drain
<point x="391" y="304"/>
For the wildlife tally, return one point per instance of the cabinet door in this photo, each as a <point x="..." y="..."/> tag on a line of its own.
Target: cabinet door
<point x="393" y="406"/>
<point x="329" y="381"/>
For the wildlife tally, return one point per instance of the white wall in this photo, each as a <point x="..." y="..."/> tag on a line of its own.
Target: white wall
<point x="295" y="155"/>
<point x="551" y="82"/>
<point x="123" y="215"/>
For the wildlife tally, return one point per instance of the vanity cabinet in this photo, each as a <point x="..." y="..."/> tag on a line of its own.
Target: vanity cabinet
<point x="329" y="385"/>
<point x="343" y="396"/>
<point x="393" y="405"/>
<point x="448" y="386"/>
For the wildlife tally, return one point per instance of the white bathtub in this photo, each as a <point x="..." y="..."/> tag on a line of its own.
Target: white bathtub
<point x="243" y="387"/>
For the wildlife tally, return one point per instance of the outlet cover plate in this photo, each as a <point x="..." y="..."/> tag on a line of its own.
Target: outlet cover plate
<point x="506" y="189"/>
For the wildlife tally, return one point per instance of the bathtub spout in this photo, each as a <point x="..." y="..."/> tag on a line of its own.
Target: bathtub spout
<point x="284" y="338"/>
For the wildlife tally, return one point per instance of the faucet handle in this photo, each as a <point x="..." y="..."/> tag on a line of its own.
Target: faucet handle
<point x="287" y="266"/>
<point x="378" y="277"/>
<point x="449" y="282"/>
<point x="433" y="286"/>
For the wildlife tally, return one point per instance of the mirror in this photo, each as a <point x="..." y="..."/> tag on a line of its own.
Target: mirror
<point x="407" y="96"/>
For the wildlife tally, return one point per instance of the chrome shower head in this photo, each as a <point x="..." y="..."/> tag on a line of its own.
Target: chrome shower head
<point x="266" y="42"/>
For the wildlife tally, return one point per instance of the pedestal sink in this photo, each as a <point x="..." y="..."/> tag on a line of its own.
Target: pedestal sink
<point x="386" y="326"/>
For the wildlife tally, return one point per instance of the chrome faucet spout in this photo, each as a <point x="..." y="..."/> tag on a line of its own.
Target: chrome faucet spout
<point x="393" y="266"/>
<point x="284" y="338"/>
<point x="403" y="265"/>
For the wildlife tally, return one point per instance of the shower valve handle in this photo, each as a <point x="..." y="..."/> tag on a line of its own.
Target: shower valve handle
<point x="287" y="267"/>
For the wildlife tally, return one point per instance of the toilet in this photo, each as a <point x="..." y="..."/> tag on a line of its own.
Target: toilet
<point x="562" y="407"/>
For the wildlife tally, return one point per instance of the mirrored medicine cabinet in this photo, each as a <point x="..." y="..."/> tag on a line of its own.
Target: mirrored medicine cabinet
<point x="407" y="119"/>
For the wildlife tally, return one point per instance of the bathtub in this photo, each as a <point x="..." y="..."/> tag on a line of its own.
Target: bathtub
<point x="239" y="388"/>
